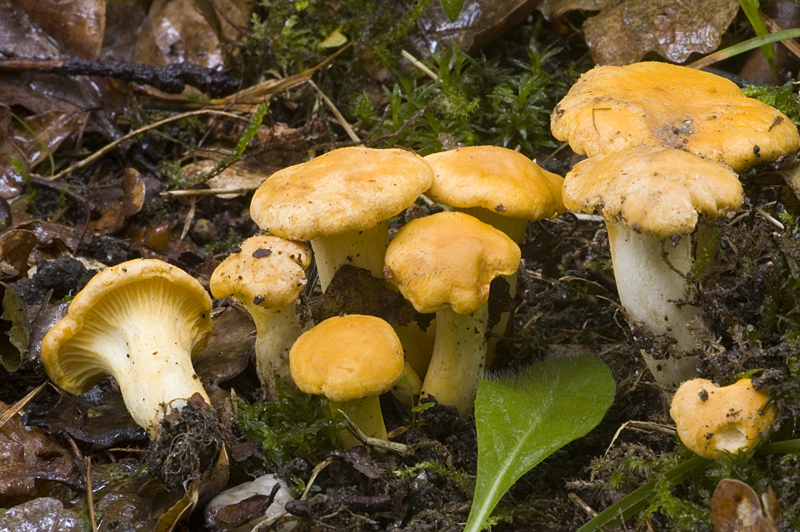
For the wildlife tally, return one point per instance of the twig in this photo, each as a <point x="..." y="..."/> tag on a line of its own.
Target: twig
<point x="208" y="191"/>
<point x="89" y="494"/>
<point x="114" y="144"/>
<point x="398" y="448"/>
<point x="641" y="426"/>
<point x="342" y="120"/>
<point x="8" y="414"/>
<point x="420" y="65"/>
<point x="582" y="505"/>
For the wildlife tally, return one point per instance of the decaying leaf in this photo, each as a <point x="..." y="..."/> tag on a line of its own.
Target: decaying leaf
<point x="21" y="37"/>
<point x="735" y="508"/>
<point x="15" y="329"/>
<point x="32" y="464"/>
<point x="623" y="32"/>
<point x="118" y="204"/>
<point x="77" y="25"/>
<point x="40" y="515"/>
<point x="15" y="247"/>
<point x="243" y="175"/>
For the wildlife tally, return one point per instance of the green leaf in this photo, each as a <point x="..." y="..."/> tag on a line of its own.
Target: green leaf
<point x="452" y="8"/>
<point x="524" y="418"/>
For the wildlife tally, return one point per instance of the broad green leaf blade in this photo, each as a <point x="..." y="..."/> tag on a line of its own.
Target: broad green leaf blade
<point x="524" y="418"/>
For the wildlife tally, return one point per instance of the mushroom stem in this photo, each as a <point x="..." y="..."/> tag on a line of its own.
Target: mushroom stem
<point x="367" y="416"/>
<point x="459" y="356"/>
<point x="363" y="249"/>
<point x="154" y="373"/>
<point x="514" y="228"/>
<point x="651" y="293"/>
<point x="276" y="330"/>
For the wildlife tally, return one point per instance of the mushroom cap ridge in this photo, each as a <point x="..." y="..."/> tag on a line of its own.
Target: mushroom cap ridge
<point x="449" y="259"/>
<point x="106" y="282"/>
<point x="611" y="108"/>
<point x="497" y="179"/>
<point x="347" y="357"/>
<point x="344" y="190"/>
<point x="655" y="191"/>
<point x="268" y="269"/>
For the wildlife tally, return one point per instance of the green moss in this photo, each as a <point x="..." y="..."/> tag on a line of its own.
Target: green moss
<point x="782" y="98"/>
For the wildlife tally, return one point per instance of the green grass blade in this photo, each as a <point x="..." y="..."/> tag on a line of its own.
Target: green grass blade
<point x="524" y="418"/>
<point x="636" y="501"/>
<point x="744" y="46"/>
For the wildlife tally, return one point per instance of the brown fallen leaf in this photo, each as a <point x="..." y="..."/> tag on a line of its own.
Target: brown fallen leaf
<point x="32" y="464"/>
<point x="76" y="25"/>
<point x="623" y="32"/>
<point x="735" y="508"/>
<point x="117" y="204"/>
<point x="40" y="515"/>
<point x="21" y="37"/>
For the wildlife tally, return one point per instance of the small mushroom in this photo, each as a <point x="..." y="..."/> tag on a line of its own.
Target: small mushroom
<point x="267" y="274"/>
<point x="730" y="418"/>
<point x="342" y="201"/>
<point x="142" y="322"/>
<point x="444" y="263"/>
<point x="351" y="360"/>
<point x="648" y="196"/>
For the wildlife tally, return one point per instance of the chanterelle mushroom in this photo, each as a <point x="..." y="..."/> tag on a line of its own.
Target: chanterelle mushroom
<point x="444" y="263"/>
<point x="612" y="108"/>
<point x="351" y="360"/>
<point x="647" y="196"/>
<point x="267" y="274"/>
<point x="711" y="419"/>
<point x="142" y="322"/>
<point x="498" y="186"/>
<point x="342" y="201"/>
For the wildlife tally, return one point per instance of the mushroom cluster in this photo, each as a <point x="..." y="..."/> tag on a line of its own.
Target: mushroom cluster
<point x="664" y="144"/>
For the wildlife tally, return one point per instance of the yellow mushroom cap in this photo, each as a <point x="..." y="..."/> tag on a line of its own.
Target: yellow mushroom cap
<point x="497" y="179"/>
<point x="267" y="271"/>
<point x="711" y="418"/>
<point x="349" y="189"/>
<point x="74" y="351"/>
<point x="655" y="191"/>
<point x="347" y="358"/>
<point x="449" y="259"/>
<point x="612" y="108"/>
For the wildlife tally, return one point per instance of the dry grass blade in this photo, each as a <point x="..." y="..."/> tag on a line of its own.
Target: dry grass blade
<point x="89" y="494"/>
<point x="19" y="405"/>
<point x="339" y="116"/>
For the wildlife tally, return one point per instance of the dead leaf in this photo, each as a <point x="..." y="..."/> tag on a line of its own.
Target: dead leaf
<point x="478" y="23"/>
<point x="15" y="247"/>
<point x="176" y="32"/>
<point x="735" y="508"/>
<point x="40" y="515"/>
<point x="15" y="329"/>
<point x="21" y="37"/>
<point x="624" y="31"/>
<point x="116" y="204"/>
<point x="77" y="25"/>
<point x="32" y="464"/>
<point x="240" y="175"/>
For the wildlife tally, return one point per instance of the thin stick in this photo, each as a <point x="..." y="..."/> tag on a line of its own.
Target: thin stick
<point x="420" y="65"/>
<point x="114" y="144"/>
<point x="8" y="414"/>
<point x="208" y="191"/>
<point x="790" y="45"/>
<point x="89" y="494"/>
<point x="342" y="120"/>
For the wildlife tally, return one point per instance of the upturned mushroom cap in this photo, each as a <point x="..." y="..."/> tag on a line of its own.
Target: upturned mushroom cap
<point x="82" y="348"/>
<point x="612" y="108"/>
<point x="347" y="358"/>
<point x="267" y="270"/>
<point x="449" y="259"/>
<point x="655" y="191"/>
<point x="497" y="179"/>
<point x="730" y="418"/>
<point x="349" y="189"/>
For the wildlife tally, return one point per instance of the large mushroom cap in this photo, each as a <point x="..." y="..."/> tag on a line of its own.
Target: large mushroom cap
<point x="347" y="357"/>
<point x="654" y="191"/>
<point x="267" y="271"/>
<point x="729" y="418"/>
<point x="497" y="179"/>
<point x="612" y="108"/>
<point x="143" y="295"/>
<point x="449" y="259"/>
<point x="349" y="189"/>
